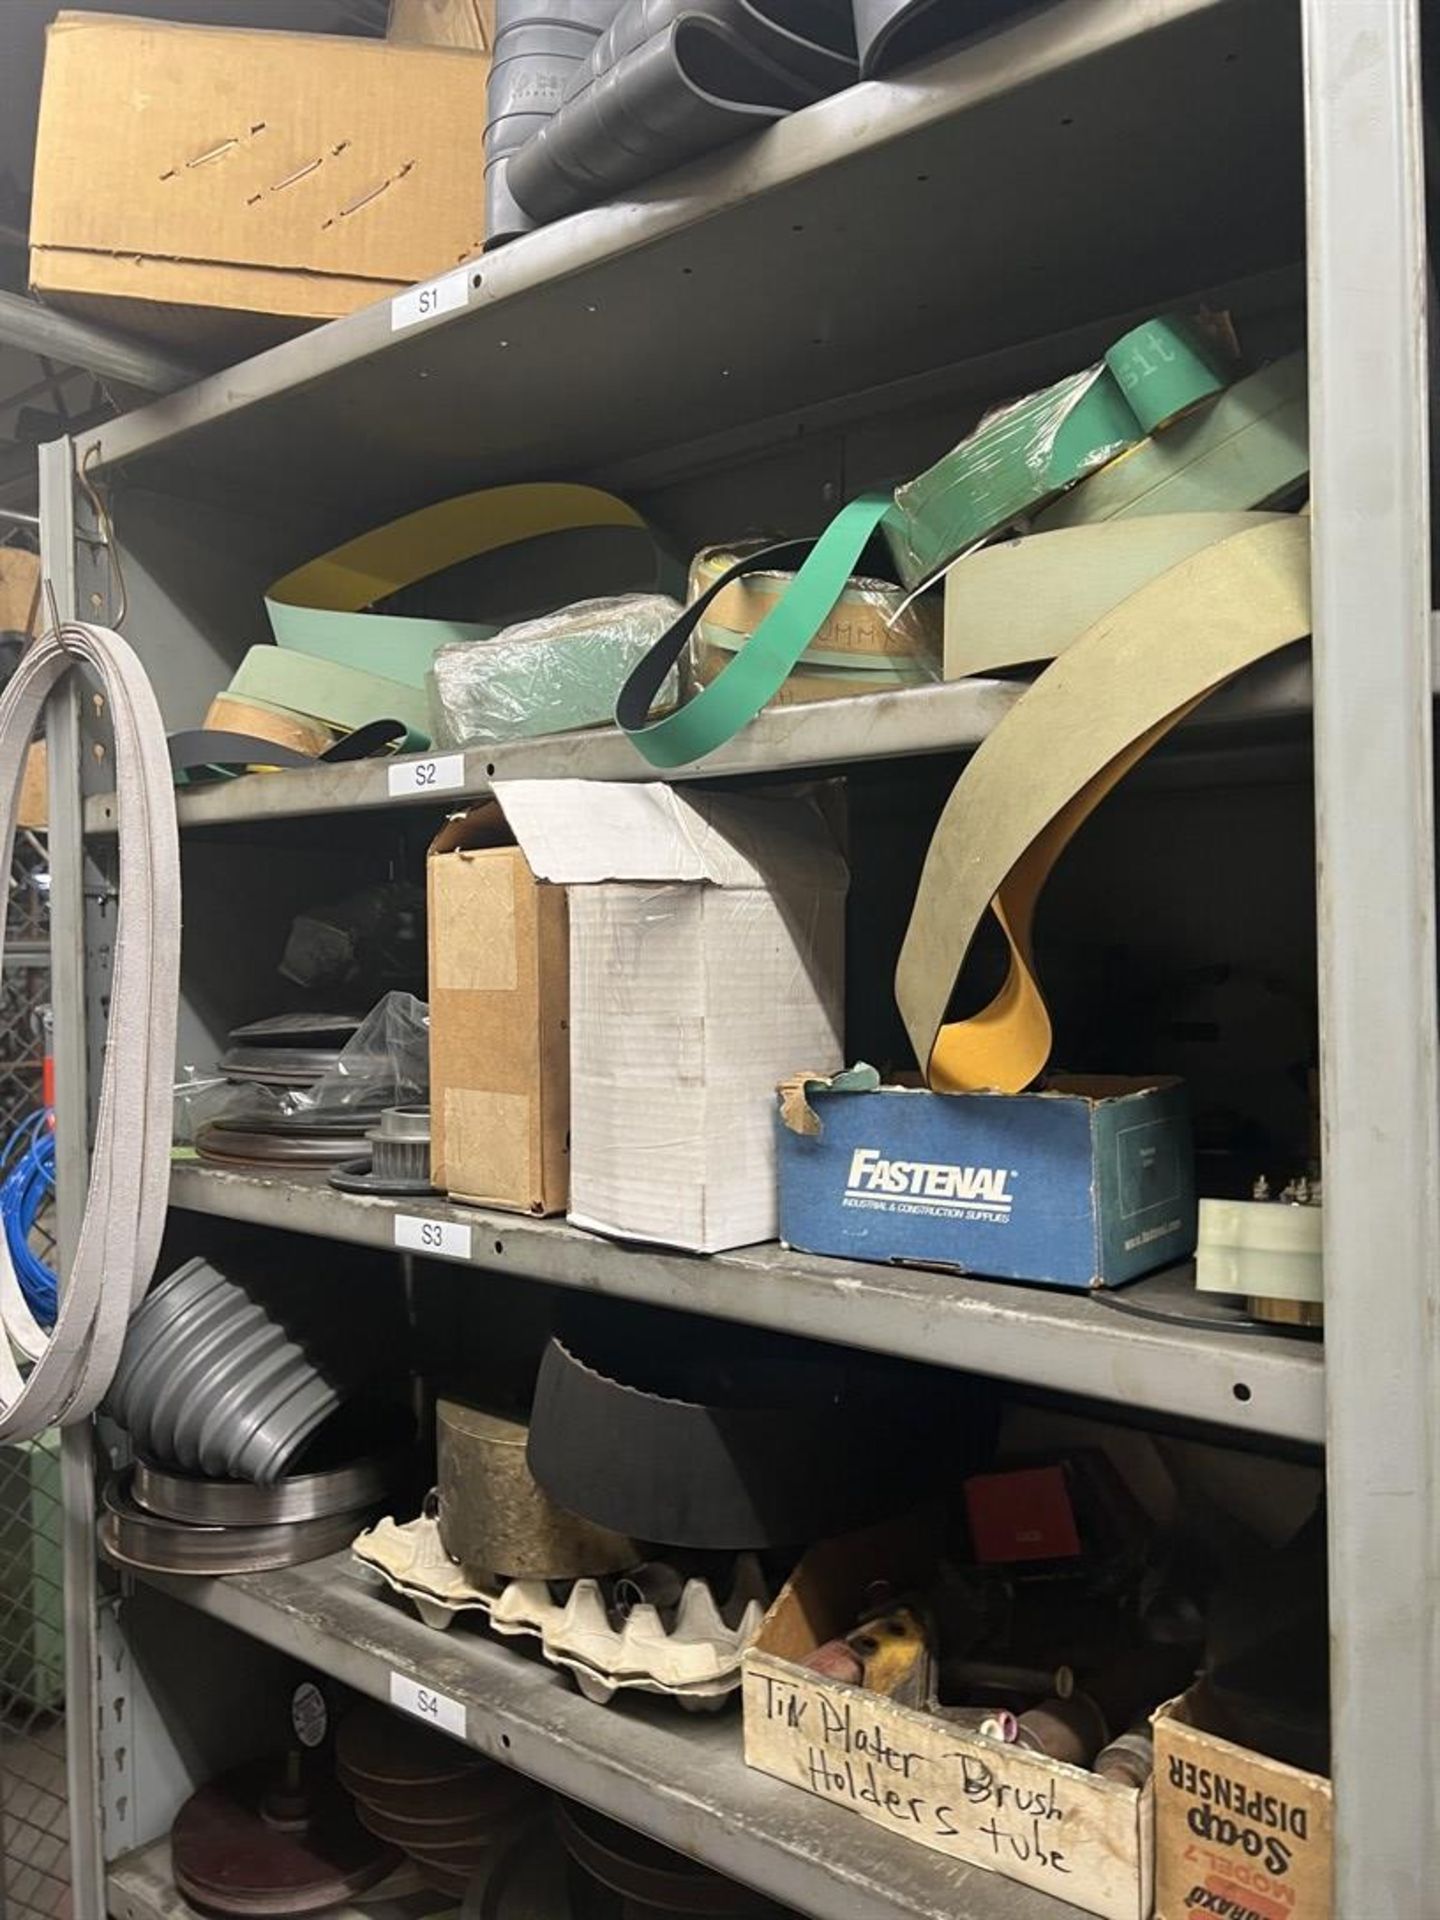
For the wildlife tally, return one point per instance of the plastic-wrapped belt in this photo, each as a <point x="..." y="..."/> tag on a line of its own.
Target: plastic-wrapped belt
<point x="672" y="79"/>
<point x="125" y="1204"/>
<point x="1113" y="693"/>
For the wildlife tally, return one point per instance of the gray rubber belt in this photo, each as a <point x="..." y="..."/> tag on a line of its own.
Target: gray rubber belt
<point x="538" y="46"/>
<point x="130" y="1168"/>
<point x="671" y="79"/>
<point x="891" y="33"/>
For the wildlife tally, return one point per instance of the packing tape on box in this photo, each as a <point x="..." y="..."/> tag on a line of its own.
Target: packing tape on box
<point x="1025" y="453"/>
<point x="1115" y="691"/>
<point x="317" y="610"/>
<point x="1250" y="449"/>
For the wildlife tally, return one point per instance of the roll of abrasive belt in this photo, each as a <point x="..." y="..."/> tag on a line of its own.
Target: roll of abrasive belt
<point x="868" y="641"/>
<point x="1115" y="690"/>
<point x="125" y="1203"/>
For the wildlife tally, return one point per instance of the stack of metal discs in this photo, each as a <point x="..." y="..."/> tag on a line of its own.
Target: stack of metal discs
<point x="617" y="1874"/>
<point x="445" y="1806"/>
<point x="287" y="1050"/>
<point x="158" y="1520"/>
<point x="291" y="1053"/>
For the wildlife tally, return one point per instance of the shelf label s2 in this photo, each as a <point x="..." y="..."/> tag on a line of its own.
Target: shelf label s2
<point x="440" y="774"/>
<point x="446" y="295"/>
<point x="446" y="1239"/>
<point x="438" y="1708"/>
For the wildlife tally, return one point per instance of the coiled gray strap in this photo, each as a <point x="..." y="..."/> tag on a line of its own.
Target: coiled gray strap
<point x="125" y="1204"/>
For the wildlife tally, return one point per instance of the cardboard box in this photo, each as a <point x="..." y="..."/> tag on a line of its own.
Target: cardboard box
<point x="229" y="187"/>
<point x="1052" y="1826"/>
<point x="468" y="24"/>
<point x="1089" y="1183"/>
<point x="499" y="1004"/>
<point x="1236" y="1833"/>
<point x="707" y="948"/>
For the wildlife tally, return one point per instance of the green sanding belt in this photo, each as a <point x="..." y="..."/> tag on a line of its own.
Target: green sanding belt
<point x="318" y="609"/>
<point x="717" y="713"/>
<point x="341" y="696"/>
<point x="1027" y="452"/>
<point x="1249" y="449"/>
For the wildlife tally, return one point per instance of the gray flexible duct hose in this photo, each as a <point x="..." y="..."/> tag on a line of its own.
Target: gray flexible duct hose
<point x="539" y="45"/>
<point x="125" y="1204"/>
<point x="672" y="79"/>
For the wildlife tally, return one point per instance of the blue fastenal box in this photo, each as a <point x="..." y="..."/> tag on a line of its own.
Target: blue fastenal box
<point x="1089" y="1183"/>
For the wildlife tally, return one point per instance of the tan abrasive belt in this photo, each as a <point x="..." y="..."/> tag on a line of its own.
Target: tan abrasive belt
<point x="1114" y="692"/>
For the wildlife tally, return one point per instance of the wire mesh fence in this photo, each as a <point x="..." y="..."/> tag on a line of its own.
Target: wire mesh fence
<point x="34" y="1825"/>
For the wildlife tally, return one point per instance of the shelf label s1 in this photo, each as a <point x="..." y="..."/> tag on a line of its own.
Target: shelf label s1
<point x="448" y="1239"/>
<point x="446" y="295"/>
<point x="439" y="775"/>
<point x="438" y="1708"/>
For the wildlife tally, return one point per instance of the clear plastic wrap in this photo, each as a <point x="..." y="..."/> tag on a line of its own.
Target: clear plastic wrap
<point x="549" y="675"/>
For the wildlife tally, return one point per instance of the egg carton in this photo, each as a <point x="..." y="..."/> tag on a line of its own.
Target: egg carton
<point x="696" y="1661"/>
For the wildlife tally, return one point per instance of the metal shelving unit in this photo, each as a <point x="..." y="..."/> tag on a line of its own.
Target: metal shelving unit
<point x="907" y="302"/>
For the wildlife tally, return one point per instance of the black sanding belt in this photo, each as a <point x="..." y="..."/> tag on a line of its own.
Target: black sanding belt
<point x="892" y="33"/>
<point x="671" y="79"/>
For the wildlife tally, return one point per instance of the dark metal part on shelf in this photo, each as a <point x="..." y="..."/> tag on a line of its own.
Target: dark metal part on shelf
<point x="225" y="1144"/>
<point x="650" y="1879"/>
<point x="399" y="1159"/>
<point x="262" y="1841"/>
<point x="277" y="1066"/>
<point x="135" y="1538"/>
<point x="296" y="1030"/>
<point x="199" y="1502"/>
<point x="496" y="1521"/>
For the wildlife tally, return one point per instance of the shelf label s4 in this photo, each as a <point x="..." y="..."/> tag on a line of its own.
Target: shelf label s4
<point x="446" y="1239"/>
<point x="446" y="295"/>
<point x="438" y="1708"/>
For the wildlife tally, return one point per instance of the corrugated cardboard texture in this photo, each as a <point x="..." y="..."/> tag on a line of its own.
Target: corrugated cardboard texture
<point x="272" y="174"/>
<point x="19" y="590"/>
<point x="1235" y="1832"/>
<point x="499" y="1004"/>
<point x="1048" y="1825"/>
<point x="469" y="24"/>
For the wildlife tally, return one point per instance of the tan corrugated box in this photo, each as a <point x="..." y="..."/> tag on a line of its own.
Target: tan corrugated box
<point x="231" y="187"/>
<point x="499" y="1015"/>
<point x="1236" y="1833"/>
<point x="444" y="23"/>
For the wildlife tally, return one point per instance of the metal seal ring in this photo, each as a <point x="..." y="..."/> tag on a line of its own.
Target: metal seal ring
<point x="133" y="1538"/>
<point x="198" y="1502"/>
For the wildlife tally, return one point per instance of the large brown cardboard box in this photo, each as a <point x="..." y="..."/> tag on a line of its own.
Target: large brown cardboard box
<point x="1236" y="1832"/>
<point x="499" y="1020"/>
<point x="228" y="187"/>
<point x="1061" y="1829"/>
<point x="444" y="23"/>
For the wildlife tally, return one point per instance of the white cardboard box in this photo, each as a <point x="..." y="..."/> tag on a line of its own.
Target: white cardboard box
<point x="707" y="940"/>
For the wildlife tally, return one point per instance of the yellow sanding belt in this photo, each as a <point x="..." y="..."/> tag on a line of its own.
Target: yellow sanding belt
<point x="1114" y="692"/>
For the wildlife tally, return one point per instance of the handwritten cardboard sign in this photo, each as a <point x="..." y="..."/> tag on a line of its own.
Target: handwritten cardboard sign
<point x="1055" y="1827"/>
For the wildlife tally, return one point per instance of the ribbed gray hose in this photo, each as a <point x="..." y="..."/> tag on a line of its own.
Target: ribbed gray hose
<point x="126" y="1201"/>
<point x="539" y="44"/>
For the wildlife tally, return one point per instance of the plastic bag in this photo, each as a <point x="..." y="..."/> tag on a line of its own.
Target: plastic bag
<point x="548" y="675"/>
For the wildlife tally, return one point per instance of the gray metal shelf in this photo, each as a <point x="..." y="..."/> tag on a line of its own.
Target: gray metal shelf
<point x="1126" y="1348"/>
<point x="911" y="226"/>
<point x="678" y="1777"/>
<point x="951" y="717"/>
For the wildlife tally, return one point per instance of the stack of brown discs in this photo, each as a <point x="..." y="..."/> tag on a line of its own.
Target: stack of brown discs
<point x="274" y="1837"/>
<point x="446" y="1807"/>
